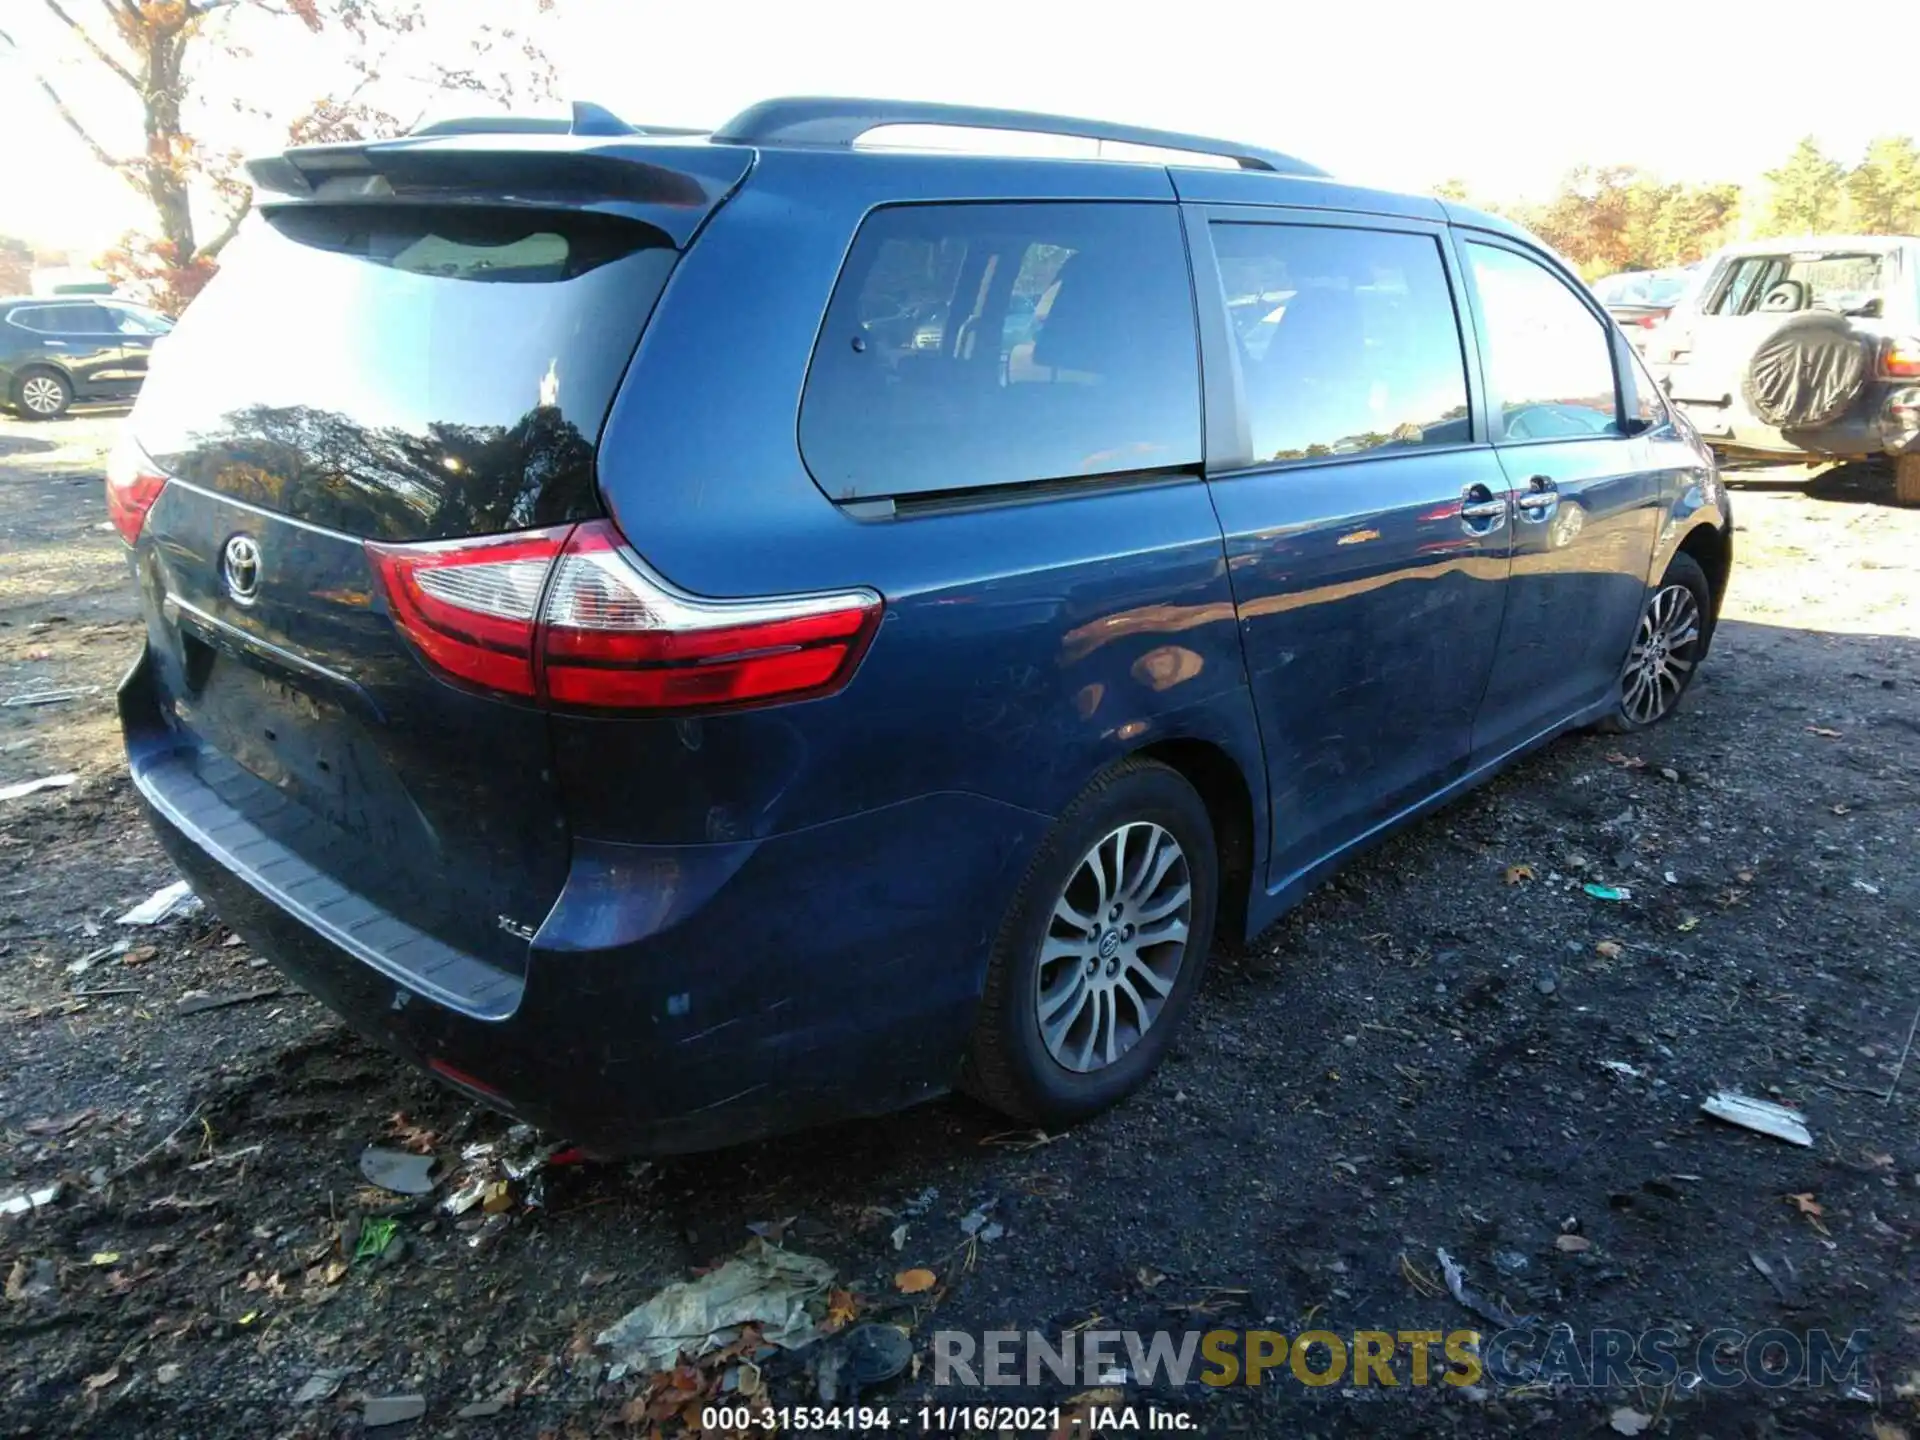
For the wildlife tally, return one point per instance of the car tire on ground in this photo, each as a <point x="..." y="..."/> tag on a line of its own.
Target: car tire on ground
<point x="1669" y="642"/>
<point x="1100" y="953"/>
<point x="1906" y="479"/>
<point x="41" y="394"/>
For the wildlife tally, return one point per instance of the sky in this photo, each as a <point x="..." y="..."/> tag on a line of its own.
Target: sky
<point x="1504" y="94"/>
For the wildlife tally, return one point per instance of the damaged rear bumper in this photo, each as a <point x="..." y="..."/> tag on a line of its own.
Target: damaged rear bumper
<point x="677" y="997"/>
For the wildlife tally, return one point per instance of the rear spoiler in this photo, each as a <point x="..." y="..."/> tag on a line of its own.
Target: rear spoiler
<point x="671" y="180"/>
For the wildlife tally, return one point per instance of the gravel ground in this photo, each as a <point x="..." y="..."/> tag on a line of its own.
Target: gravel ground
<point x="1437" y="1051"/>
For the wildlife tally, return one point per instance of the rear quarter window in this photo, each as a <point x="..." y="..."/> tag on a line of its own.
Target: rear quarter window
<point x="973" y="346"/>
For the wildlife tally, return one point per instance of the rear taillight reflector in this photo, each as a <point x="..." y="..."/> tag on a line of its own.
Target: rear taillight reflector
<point x="573" y="617"/>
<point x="616" y="636"/>
<point x="471" y="606"/>
<point x="134" y="482"/>
<point x="1900" y="358"/>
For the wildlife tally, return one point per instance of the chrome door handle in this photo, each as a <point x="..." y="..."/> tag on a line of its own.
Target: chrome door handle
<point x="1477" y="502"/>
<point x="1539" y="499"/>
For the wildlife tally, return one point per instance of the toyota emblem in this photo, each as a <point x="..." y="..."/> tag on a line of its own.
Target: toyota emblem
<point x="241" y="566"/>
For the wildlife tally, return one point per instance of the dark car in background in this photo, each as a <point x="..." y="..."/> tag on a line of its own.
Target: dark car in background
<point x="57" y="350"/>
<point x="1639" y="300"/>
<point x="685" y="637"/>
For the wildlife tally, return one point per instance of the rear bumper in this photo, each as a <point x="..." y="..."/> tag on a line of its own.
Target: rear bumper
<point x="677" y="997"/>
<point x="1885" y="420"/>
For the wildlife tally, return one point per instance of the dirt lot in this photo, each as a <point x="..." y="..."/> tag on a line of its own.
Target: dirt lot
<point x="1425" y="1056"/>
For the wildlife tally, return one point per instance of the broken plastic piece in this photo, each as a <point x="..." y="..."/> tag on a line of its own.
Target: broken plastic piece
<point x="1762" y="1116"/>
<point x="400" y="1171"/>
<point x="165" y="903"/>
<point x="30" y="1200"/>
<point x="392" y="1410"/>
<point x="34" y="787"/>
<point x="1607" y="892"/>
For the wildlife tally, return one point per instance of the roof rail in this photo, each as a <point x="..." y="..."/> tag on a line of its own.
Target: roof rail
<point x="586" y="119"/>
<point x="824" y="120"/>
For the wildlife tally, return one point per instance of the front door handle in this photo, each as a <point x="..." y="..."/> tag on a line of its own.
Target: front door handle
<point x="1538" y="500"/>
<point x="1481" y="509"/>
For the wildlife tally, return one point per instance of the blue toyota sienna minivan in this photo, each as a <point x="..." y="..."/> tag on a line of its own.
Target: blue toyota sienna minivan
<point x="687" y="636"/>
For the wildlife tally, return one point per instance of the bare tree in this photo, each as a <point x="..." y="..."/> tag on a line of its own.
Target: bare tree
<point x="158" y="49"/>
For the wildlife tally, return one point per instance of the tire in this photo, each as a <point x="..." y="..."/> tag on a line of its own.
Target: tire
<point x="1807" y="372"/>
<point x="1010" y="1064"/>
<point x="41" y="394"/>
<point x="1906" y="480"/>
<point x="1657" y="674"/>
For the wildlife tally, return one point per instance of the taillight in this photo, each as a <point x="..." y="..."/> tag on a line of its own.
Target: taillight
<point x="471" y="606"/>
<point x="1652" y="320"/>
<point x="573" y="617"/>
<point x="616" y="636"/>
<point x="1900" y="358"/>
<point x="134" y="482"/>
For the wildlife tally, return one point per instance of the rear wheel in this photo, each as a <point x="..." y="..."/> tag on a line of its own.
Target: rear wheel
<point x="42" y="394"/>
<point x="1668" y="645"/>
<point x="1906" y="480"/>
<point x="1099" y="955"/>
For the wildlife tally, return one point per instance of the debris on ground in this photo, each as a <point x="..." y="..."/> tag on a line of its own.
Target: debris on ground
<point x="764" y="1285"/>
<point x="165" y="903"/>
<point x="978" y="1223"/>
<point x="498" y="1174"/>
<point x="25" y="788"/>
<point x="195" y="1002"/>
<point x="376" y="1238"/>
<point x="28" y="1200"/>
<point x="915" y="1281"/>
<point x="1607" y="892"/>
<point x="400" y="1171"/>
<point x="1626" y="1420"/>
<point x="1762" y="1116"/>
<point x="392" y="1410"/>
<point x="48" y="697"/>
<point x="1456" y="1278"/>
<point x="319" y="1386"/>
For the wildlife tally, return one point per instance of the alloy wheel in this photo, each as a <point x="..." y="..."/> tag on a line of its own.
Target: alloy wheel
<point x="41" y="394"/>
<point x="1114" y="946"/>
<point x="1665" y="649"/>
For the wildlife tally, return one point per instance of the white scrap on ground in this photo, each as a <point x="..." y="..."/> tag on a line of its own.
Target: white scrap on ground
<point x="33" y="787"/>
<point x="165" y="903"/>
<point x="1761" y="1116"/>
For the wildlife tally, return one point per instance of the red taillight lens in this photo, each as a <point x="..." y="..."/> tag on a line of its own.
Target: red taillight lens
<point x="616" y="636"/>
<point x="573" y="617"/>
<point x="1900" y="358"/>
<point x="471" y="605"/>
<point x="134" y="482"/>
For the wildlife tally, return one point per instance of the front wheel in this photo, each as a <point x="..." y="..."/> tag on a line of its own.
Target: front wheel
<point x="1100" y="953"/>
<point x="1668" y="645"/>
<point x="42" y="395"/>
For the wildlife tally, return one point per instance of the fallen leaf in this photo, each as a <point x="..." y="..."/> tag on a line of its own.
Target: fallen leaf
<point x="1823" y="732"/>
<point x="1887" y="1430"/>
<point x="1572" y="1244"/>
<point x="409" y="1136"/>
<point x="1149" y="1277"/>
<point x="106" y="1257"/>
<point x="913" y="1282"/>
<point x="1840" y="809"/>
<point x="335" y="1272"/>
<point x="1627" y="762"/>
<point x="1809" y="1207"/>
<point x="1517" y="873"/>
<point x="140" y="955"/>
<point x="1610" y="949"/>
<point x="1692" y="922"/>
<point x="103" y="1379"/>
<point x="841" y="1309"/>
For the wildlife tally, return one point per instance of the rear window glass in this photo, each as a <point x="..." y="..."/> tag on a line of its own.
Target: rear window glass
<point x="407" y="372"/>
<point x="63" y="320"/>
<point x="1348" y="340"/>
<point x="1841" y="282"/>
<point x="979" y="345"/>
